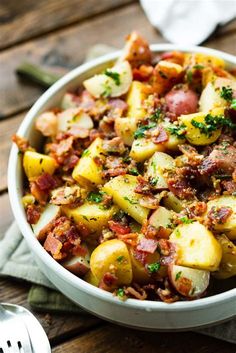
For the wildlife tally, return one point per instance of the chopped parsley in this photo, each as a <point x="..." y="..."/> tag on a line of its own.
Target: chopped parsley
<point x="162" y="74"/>
<point x="120" y="258"/>
<point x="189" y="76"/>
<point x="85" y="217"/>
<point x="226" y="93"/>
<point x="41" y="161"/>
<point x="132" y="202"/>
<point x="178" y="275"/>
<point x="212" y="123"/>
<point x="153" y="268"/>
<point x="198" y="67"/>
<point x="153" y="181"/>
<point x="178" y="131"/>
<point x="133" y="171"/>
<point x="140" y="132"/>
<point x="233" y="104"/>
<point x="120" y="292"/>
<point x="95" y="197"/>
<point x="114" y="75"/>
<point x="186" y="220"/>
<point x="157" y="115"/>
<point x="107" y="90"/>
<point x="154" y="166"/>
<point x="85" y="153"/>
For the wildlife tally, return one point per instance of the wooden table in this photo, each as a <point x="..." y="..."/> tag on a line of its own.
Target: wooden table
<point x="58" y="33"/>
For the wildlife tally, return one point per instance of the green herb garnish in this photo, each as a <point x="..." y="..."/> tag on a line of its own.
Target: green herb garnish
<point x="120" y="292"/>
<point x="132" y="202"/>
<point x="153" y="268"/>
<point x="157" y="115"/>
<point x="85" y="153"/>
<point x="186" y="220"/>
<point x="178" y="275"/>
<point x="178" y="131"/>
<point x="114" y="75"/>
<point x="212" y="123"/>
<point x="95" y="197"/>
<point x="140" y="132"/>
<point x="134" y="171"/>
<point x="233" y="104"/>
<point x="153" y="181"/>
<point x="120" y="258"/>
<point x="226" y="93"/>
<point x="198" y="67"/>
<point x="189" y="76"/>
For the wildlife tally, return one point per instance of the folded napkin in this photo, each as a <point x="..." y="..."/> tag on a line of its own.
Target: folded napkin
<point x="188" y="21"/>
<point x="16" y="261"/>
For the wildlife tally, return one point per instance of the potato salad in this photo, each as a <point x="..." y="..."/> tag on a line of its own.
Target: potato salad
<point x="133" y="188"/>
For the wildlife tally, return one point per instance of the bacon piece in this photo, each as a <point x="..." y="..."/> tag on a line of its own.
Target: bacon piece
<point x="40" y="195"/>
<point x="185" y="286"/>
<point x="108" y="281"/>
<point x="194" y="158"/>
<point x="118" y="227"/>
<point x="218" y="215"/>
<point x="167" y="295"/>
<point x="180" y="188"/>
<point x="143" y="187"/>
<point x="32" y="214"/>
<point x="174" y="57"/>
<point x="63" y="147"/>
<point x="46" y="182"/>
<point x="118" y="106"/>
<point x="53" y="246"/>
<point x="161" y="137"/>
<point x="78" y="132"/>
<point x="116" y="145"/>
<point x="70" y="162"/>
<point x="149" y="202"/>
<point x="229" y="187"/>
<point x="147" y="245"/>
<point x="66" y="195"/>
<point x="130" y="238"/>
<point x="143" y="73"/>
<point x="114" y="172"/>
<point x="222" y="158"/>
<point x="137" y="294"/>
<point x="22" y="143"/>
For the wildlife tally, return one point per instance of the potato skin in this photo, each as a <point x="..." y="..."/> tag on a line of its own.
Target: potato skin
<point x="112" y="256"/>
<point x="156" y="167"/>
<point x="229" y="227"/>
<point x="196" y="247"/>
<point x="228" y="263"/>
<point x="35" y="164"/>
<point x="182" y="101"/>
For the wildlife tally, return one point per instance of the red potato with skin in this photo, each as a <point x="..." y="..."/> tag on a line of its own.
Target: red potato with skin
<point x="78" y="264"/>
<point x="182" y="101"/>
<point x="189" y="282"/>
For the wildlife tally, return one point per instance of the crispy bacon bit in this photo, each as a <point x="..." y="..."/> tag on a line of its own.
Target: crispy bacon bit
<point x="143" y="73"/>
<point x="166" y="294"/>
<point x="161" y="136"/>
<point x="22" y="143"/>
<point x="66" y="195"/>
<point x="119" y="228"/>
<point x="143" y="187"/>
<point x="116" y="145"/>
<point x="53" y="246"/>
<point x="64" y="146"/>
<point x="194" y="158"/>
<point x="221" y="159"/>
<point x="149" y="202"/>
<point x="46" y="123"/>
<point x="78" y="132"/>
<point x="32" y="214"/>
<point x="139" y="294"/>
<point x="147" y="245"/>
<point x="46" y="182"/>
<point x="164" y="247"/>
<point x="108" y="281"/>
<point x="114" y="172"/>
<point x="119" y="106"/>
<point x="185" y="286"/>
<point x="180" y="188"/>
<point x="174" y="57"/>
<point x="229" y="187"/>
<point x="40" y="195"/>
<point x="196" y="209"/>
<point x="130" y="238"/>
<point x="70" y="162"/>
<point x="141" y="256"/>
<point x="218" y="215"/>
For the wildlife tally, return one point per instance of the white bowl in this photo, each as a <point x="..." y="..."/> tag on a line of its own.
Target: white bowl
<point x="146" y="315"/>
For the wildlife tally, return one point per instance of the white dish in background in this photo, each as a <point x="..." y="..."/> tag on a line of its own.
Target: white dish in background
<point x="148" y="315"/>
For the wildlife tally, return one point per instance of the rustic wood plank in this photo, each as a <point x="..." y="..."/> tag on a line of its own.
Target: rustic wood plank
<point x="26" y="19"/>
<point x="7" y="129"/>
<point x="58" y="327"/>
<point x="115" y="339"/>
<point x="66" y="48"/>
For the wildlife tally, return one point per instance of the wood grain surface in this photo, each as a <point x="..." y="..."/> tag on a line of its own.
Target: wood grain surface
<point x="21" y="20"/>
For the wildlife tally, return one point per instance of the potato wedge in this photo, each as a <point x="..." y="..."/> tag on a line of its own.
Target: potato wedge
<point x="229" y="227"/>
<point x="125" y="128"/>
<point x="135" y="99"/>
<point x="166" y="75"/>
<point x="112" y="256"/>
<point x="193" y="59"/>
<point x="228" y="263"/>
<point x="196" y="247"/>
<point x="157" y="165"/>
<point x="121" y="188"/>
<point x="171" y="202"/>
<point x="162" y="218"/>
<point x="114" y="82"/>
<point x="189" y="282"/>
<point x="74" y="116"/>
<point x="87" y="171"/>
<point x="196" y="127"/>
<point x="142" y="149"/>
<point x="49" y="214"/>
<point x="35" y="164"/>
<point x="78" y="264"/>
<point x="91" y="215"/>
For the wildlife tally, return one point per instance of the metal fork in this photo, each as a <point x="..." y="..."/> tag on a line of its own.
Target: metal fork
<point x="20" y="331"/>
<point x="14" y="336"/>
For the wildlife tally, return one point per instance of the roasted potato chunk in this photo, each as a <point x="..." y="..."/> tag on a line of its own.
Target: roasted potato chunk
<point x="35" y="164"/>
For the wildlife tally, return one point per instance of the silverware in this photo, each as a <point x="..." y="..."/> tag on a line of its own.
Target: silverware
<point x="20" y="331"/>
